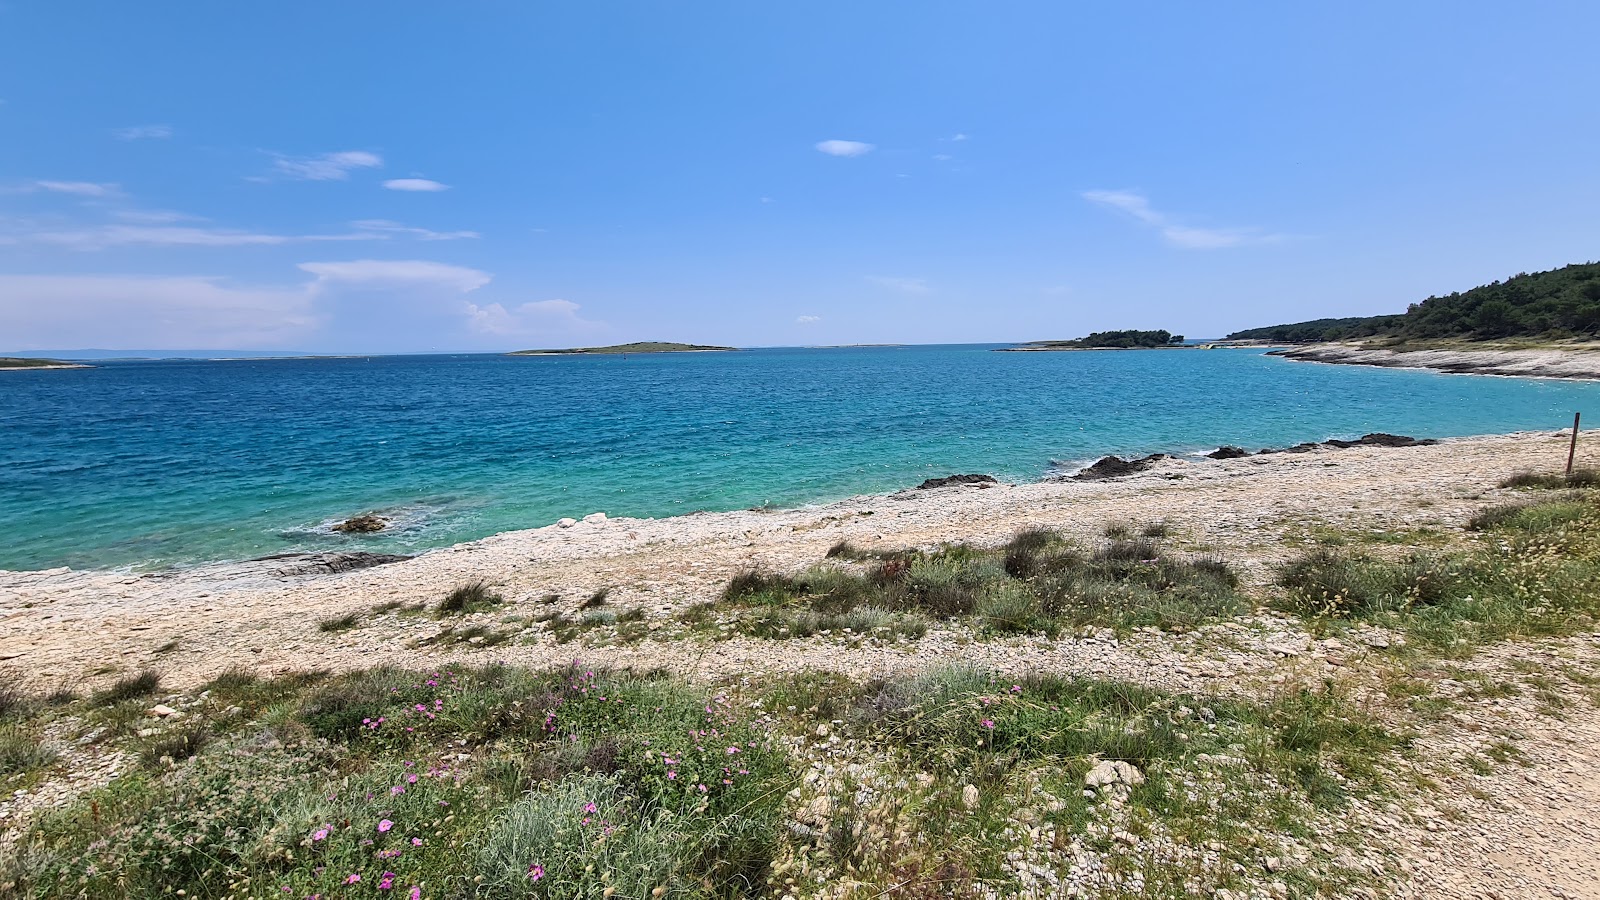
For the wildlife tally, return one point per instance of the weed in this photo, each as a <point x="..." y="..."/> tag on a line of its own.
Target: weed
<point x="472" y="597"/>
<point x="339" y="623"/>
<point x="129" y="687"/>
<point x="22" y="751"/>
<point x="598" y="598"/>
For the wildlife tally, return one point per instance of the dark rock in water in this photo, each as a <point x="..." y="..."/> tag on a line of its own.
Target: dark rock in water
<point x="950" y="480"/>
<point x="1380" y="439"/>
<point x="291" y="564"/>
<point x="366" y="524"/>
<point x="1301" y="448"/>
<point x="1116" y="467"/>
<point x="1228" y="453"/>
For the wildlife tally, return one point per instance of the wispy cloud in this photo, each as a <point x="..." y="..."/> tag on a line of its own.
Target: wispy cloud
<point x="1137" y="206"/>
<point x="958" y="136"/>
<point x="903" y="285"/>
<point x="397" y="272"/>
<point x="807" y="320"/>
<point x="384" y="228"/>
<point x="423" y="185"/>
<point x="326" y="167"/>
<point x="156" y="229"/>
<point x="143" y="133"/>
<point x="76" y="188"/>
<point x="845" y="148"/>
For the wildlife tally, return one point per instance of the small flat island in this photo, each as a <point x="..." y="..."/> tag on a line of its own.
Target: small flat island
<point x="1107" y="340"/>
<point x="23" y="362"/>
<point x="635" y="347"/>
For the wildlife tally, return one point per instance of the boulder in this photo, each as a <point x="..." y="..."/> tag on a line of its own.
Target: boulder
<point x="566" y="523"/>
<point x="1116" y="467"/>
<point x="1113" y="771"/>
<point x="951" y="480"/>
<point x="1228" y="453"/>
<point x="362" y="524"/>
<point x="597" y="518"/>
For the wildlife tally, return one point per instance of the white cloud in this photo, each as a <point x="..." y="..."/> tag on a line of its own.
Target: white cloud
<point x="76" y="188"/>
<point x="326" y="167"/>
<point x="70" y="311"/>
<point x="154" y="216"/>
<point x="395" y="273"/>
<point x="384" y="228"/>
<point x="844" y="148"/>
<point x="533" y="319"/>
<point x="415" y="184"/>
<point x="903" y="285"/>
<point x="1138" y="207"/>
<point x="943" y="157"/>
<point x="807" y="320"/>
<point x="143" y="132"/>
<point x="958" y="137"/>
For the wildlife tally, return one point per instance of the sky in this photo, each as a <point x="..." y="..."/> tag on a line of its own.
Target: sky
<point x="422" y="176"/>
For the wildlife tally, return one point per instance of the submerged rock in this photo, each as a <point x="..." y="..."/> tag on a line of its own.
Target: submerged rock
<point x="950" y="480"/>
<point x="1228" y="453"/>
<point x="363" y="524"/>
<point x="290" y="564"/>
<point x="1116" y="467"/>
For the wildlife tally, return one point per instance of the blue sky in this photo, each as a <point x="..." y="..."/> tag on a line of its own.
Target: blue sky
<point x="492" y="175"/>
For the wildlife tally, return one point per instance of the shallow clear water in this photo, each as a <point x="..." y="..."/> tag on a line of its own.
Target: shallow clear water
<point x="154" y="463"/>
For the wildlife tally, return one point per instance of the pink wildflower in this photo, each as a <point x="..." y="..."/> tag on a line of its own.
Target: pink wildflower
<point x="536" y="871"/>
<point x="384" y="826"/>
<point x="416" y="893"/>
<point x="387" y="882"/>
<point x="988" y="723"/>
<point x="352" y="878"/>
<point x="321" y="834"/>
<point x="590" y="807"/>
<point x="416" y="842"/>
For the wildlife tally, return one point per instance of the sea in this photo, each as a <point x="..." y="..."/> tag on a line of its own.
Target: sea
<point x="144" y="465"/>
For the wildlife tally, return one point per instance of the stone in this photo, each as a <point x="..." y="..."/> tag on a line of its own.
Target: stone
<point x="362" y="524"/>
<point x="566" y="523"/>
<point x="954" y="480"/>
<point x="1116" y="467"/>
<point x="969" y="797"/>
<point x="161" y="710"/>
<point x="289" y="565"/>
<point x="1113" y="771"/>
<point x="1228" y="453"/>
<point x="596" y="518"/>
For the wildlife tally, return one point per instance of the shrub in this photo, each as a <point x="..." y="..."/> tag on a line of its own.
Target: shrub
<point x="598" y="598"/>
<point x="174" y="746"/>
<point x="1580" y="478"/>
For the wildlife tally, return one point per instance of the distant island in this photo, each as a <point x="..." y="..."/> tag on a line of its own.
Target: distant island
<point x="23" y="362"/>
<point x="1561" y="304"/>
<point x="1108" y="340"/>
<point x="635" y="347"/>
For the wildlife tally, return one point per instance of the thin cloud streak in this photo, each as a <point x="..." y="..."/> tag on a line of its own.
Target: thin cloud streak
<point x="327" y="166"/>
<point x="1137" y="206"/>
<point x="424" y="185"/>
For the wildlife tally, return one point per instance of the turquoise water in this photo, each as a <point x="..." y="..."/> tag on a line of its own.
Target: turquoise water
<point x="176" y="462"/>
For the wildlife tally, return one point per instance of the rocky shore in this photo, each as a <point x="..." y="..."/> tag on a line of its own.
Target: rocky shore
<point x="1476" y="832"/>
<point x="1577" y="362"/>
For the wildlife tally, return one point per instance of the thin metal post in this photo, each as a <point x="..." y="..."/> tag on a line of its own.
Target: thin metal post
<point x="1572" y="449"/>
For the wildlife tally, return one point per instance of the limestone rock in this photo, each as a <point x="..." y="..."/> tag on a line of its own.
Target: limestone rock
<point x="566" y="523"/>
<point x="595" y="518"/>
<point x="969" y="797"/>
<point x="1113" y="771"/>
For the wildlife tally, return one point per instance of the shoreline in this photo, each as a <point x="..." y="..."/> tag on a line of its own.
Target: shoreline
<point x="1569" y="364"/>
<point x="1057" y="471"/>
<point x="194" y="623"/>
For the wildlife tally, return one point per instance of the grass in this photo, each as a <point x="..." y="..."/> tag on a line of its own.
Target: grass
<point x="1038" y="582"/>
<point x="129" y="687"/>
<point x="471" y="781"/>
<point x="1580" y="478"/>
<point x="472" y="597"/>
<point x="339" y="623"/>
<point x="1534" y="570"/>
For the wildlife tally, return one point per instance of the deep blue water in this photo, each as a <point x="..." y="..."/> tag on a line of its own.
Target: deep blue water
<point x="175" y="462"/>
